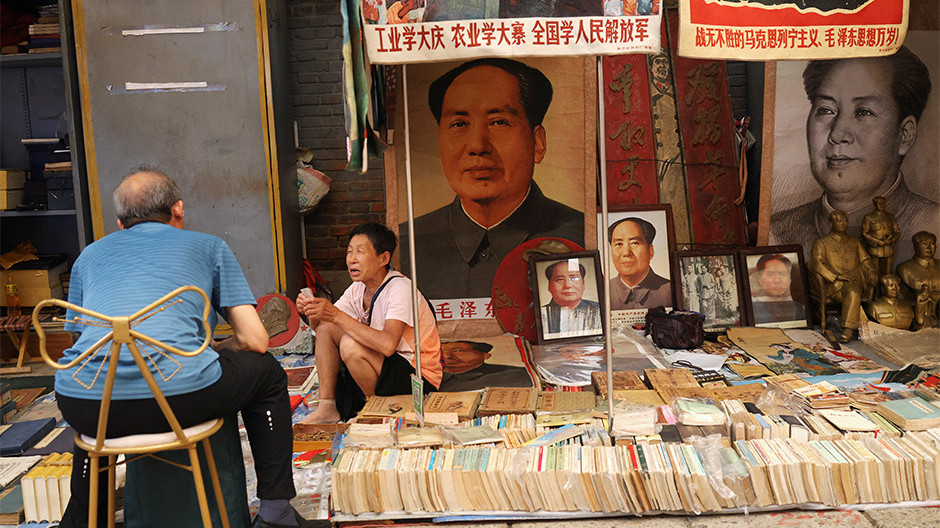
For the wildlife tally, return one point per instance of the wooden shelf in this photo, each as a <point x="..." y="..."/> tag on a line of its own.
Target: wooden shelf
<point x="44" y="212"/>
<point x="28" y="60"/>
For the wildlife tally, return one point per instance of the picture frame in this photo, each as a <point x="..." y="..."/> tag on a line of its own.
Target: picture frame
<point x="710" y="284"/>
<point x="627" y="305"/>
<point x="563" y="309"/>
<point x="775" y="284"/>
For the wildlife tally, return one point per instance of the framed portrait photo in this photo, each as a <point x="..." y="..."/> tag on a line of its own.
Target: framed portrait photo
<point x="641" y="240"/>
<point x="710" y="284"/>
<point x="567" y="295"/>
<point x="775" y="289"/>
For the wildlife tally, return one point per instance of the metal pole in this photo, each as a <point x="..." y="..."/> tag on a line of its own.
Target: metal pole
<point x="605" y="247"/>
<point x="411" y="246"/>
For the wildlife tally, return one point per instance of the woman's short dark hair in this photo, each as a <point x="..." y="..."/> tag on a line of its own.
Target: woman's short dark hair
<point x="910" y="81"/>
<point x="535" y="90"/>
<point x="381" y="237"/>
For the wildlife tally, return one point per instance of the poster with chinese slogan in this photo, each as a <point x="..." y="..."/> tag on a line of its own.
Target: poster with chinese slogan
<point x="791" y="29"/>
<point x="408" y="31"/>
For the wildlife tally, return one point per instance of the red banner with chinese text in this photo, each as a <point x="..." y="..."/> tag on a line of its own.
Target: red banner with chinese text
<point x="704" y="109"/>
<point x="628" y="134"/>
<point x="791" y="29"/>
<point x="408" y="31"/>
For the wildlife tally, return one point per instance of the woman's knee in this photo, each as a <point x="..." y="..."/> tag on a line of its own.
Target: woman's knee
<point x="350" y="349"/>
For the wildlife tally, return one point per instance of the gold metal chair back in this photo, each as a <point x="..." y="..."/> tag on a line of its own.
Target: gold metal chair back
<point x="123" y="333"/>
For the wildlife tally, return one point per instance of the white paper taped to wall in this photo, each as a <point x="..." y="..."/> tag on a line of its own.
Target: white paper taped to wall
<point x="132" y="86"/>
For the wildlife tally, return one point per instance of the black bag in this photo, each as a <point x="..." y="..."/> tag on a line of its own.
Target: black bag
<point x="676" y="329"/>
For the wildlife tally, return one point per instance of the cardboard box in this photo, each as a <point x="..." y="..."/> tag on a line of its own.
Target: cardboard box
<point x="36" y="280"/>
<point x="323" y="433"/>
<point x="12" y="178"/>
<point x="10" y="199"/>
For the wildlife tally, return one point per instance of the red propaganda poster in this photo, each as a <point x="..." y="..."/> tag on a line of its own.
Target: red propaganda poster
<point x="791" y="29"/>
<point x="628" y="134"/>
<point x="704" y="109"/>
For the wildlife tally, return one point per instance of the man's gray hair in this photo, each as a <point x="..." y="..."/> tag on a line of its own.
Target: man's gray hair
<point x="150" y="199"/>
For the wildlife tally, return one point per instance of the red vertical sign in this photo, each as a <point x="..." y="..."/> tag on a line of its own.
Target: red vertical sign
<point x="704" y="109"/>
<point x="628" y="132"/>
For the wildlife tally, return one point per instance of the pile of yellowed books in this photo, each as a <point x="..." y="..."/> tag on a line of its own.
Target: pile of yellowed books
<point x="701" y="476"/>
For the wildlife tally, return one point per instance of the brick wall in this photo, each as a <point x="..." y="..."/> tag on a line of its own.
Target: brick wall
<point x="315" y="47"/>
<point x="315" y="40"/>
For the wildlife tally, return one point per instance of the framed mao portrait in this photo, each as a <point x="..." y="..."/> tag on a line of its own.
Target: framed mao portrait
<point x="567" y="295"/>
<point x="641" y="239"/>
<point x="710" y="284"/>
<point x="775" y="289"/>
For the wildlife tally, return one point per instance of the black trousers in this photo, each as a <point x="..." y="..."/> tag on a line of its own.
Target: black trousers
<point x="252" y="383"/>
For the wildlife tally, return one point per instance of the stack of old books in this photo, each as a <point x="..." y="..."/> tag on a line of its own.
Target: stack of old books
<point x="44" y="34"/>
<point x="639" y="478"/>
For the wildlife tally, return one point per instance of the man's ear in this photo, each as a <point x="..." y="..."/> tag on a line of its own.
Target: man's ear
<point x="385" y="257"/>
<point x="120" y="225"/>
<point x="908" y="133"/>
<point x="176" y="215"/>
<point x="651" y="250"/>
<point x="539" y="133"/>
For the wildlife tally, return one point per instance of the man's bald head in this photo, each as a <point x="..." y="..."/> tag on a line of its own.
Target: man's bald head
<point x="145" y="195"/>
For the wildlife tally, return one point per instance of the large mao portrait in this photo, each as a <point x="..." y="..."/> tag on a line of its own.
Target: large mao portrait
<point x="839" y="133"/>
<point x="501" y="151"/>
<point x="567" y="295"/>
<point x="775" y="288"/>
<point x="641" y="239"/>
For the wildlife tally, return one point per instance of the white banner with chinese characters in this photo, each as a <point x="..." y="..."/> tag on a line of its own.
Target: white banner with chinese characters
<point x="791" y="29"/>
<point x="409" y="31"/>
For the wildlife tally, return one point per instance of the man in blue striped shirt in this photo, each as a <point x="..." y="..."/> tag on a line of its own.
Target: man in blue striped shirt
<point x="127" y="270"/>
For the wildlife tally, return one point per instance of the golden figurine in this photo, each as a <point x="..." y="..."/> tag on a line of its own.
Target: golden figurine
<point x="889" y="309"/>
<point x="842" y="271"/>
<point x="925" y="309"/>
<point x="923" y="269"/>
<point x="881" y="233"/>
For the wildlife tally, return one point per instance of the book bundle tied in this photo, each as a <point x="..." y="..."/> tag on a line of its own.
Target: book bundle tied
<point x="674" y="446"/>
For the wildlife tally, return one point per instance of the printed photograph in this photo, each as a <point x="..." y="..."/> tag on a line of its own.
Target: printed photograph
<point x="775" y="289"/>
<point x="568" y="295"/>
<point x="710" y="285"/>
<point x="641" y="240"/>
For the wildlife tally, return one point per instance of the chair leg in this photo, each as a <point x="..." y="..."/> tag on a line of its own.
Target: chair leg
<point x="214" y="475"/>
<point x="112" y="478"/>
<point x="200" y="486"/>
<point x="92" y="490"/>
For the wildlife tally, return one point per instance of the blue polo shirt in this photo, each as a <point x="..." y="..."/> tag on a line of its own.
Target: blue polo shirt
<point x="129" y="269"/>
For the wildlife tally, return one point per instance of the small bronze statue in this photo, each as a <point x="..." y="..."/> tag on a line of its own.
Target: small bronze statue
<point x="889" y="309"/>
<point x="925" y="310"/>
<point x="881" y="233"/>
<point x="842" y="271"/>
<point x="923" y="269"/>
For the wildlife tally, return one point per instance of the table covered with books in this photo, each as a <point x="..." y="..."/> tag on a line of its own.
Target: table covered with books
<point x="754" y="420"/>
